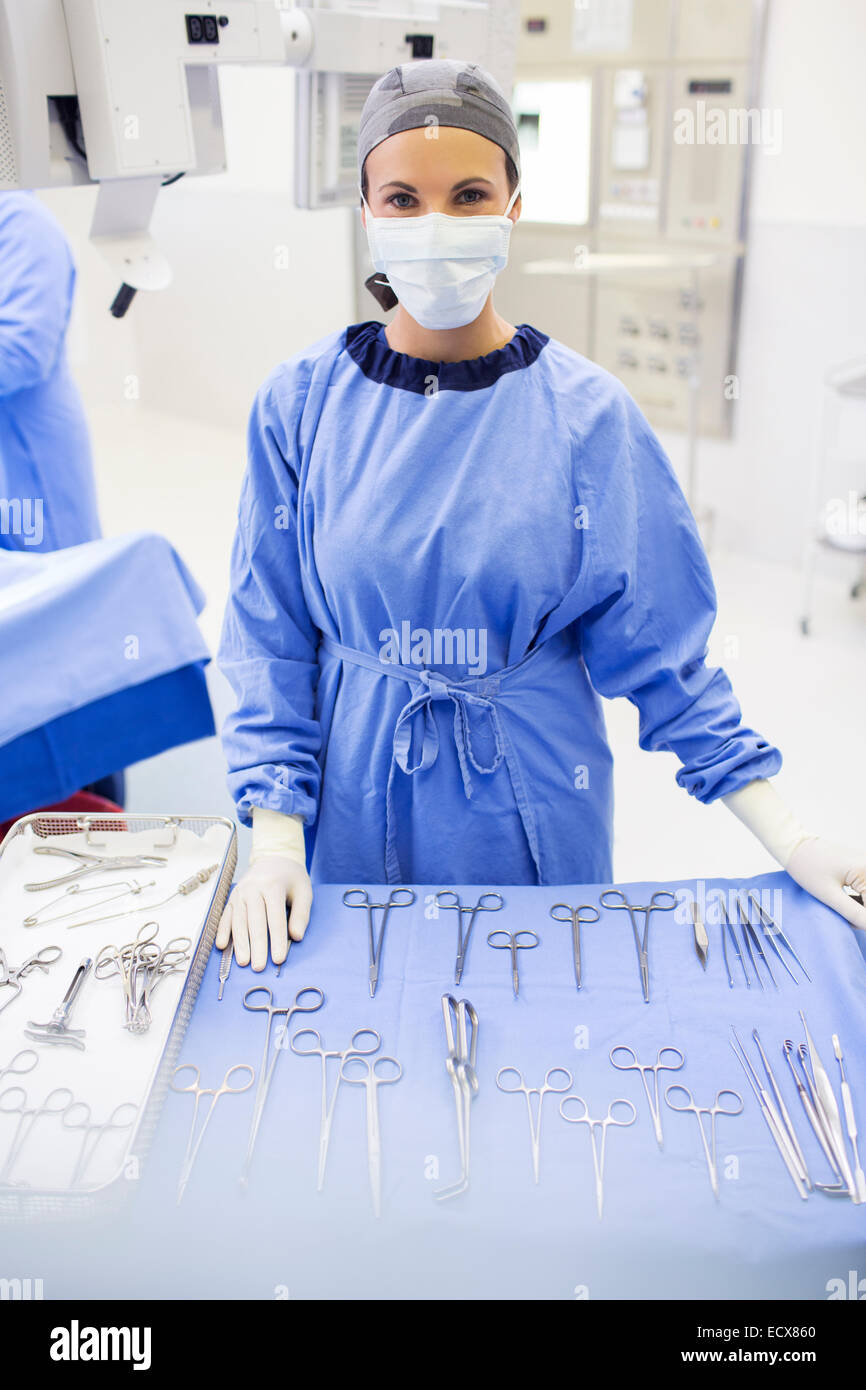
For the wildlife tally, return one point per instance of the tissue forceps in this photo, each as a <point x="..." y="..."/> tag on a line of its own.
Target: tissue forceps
<point x="548" y="1087"/>
<point x="652" y="1091"/>
<point x="573" y="915"/>
<point x="464" y="937"/>
<point x="592" y="1125"/>
<point x="91" y="864"/>
<point x="359" y="897"/>
<point x="267" y="1068"/>
<point x="717" y="1108"/>
<point x="609" y="898"/>
<point x="356" y="1048"/>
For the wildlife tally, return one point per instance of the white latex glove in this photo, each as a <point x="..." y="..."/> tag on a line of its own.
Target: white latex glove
<point x="823" y="868"/>
<point x="256" y="911"/>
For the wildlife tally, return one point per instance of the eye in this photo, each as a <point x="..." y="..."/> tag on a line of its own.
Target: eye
<point x="401" y="201"/>
<point x="470" y="196"/>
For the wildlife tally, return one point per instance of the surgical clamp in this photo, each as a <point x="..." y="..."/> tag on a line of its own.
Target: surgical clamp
<point x="652" y="1092"/>
<point x="267" y="1067"/>
<point x="371" y="1079"/>
<point x="12" y="975"/>
<point x="575" y="917"/>
<point x="122" y="1117"/>
<point x="91" y="864"/>
<point x="461" y="1037"/>
<point x="356" y="1048"/>
<point x="548" y="1087"/>
<point x="226" y="1088"/>
<point x="513" y="942"/>
<point x="641" y="940"/>
<point x="377" y="941"/>
<point x="598" y="1152"/>
<point x="464" y="937"/>
<point x="717" y="1108"/>
<point x="62" y="1099"/>
<point x="57" y="1030"/>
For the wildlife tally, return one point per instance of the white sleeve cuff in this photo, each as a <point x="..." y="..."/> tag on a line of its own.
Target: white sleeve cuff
<point x="276" y="833"/>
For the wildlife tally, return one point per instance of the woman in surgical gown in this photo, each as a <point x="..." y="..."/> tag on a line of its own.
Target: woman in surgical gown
<point x="454" y="535"/>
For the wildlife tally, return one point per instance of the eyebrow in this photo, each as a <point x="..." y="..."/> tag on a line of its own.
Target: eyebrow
<point x="410" y="188"/>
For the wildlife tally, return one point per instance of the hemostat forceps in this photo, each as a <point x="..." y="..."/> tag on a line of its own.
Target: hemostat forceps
<point x="562" y="912"/>
<point x="359" y="897"/>
<point x="488" y="902"/>
<point x="550" y="1085"/>
<point x="662" y="901"/>
<point x="676" y="1063"/>
<point x="598" y="1151"/>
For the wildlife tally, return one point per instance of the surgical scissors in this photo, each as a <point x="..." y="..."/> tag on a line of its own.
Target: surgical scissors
<point x="641" y="940"/>
<point x="376" y="942"/>
<point x="513" y="943"/>
<point x="598" y="1153"/>
<point x="12" y="975"/>
<point x="266" y="1068"/>
<point x="356" y="1048"/>
<point x="460" y="1064"/>
<point x="548" y="1087"/>
<point x="371" y="1080"/>
<point x="194" y="1088"/>
<point x="91" y="864"/>
<point x="23" y="1130"/>
<point x="117" y="1120"/>
<point x="463" y="938"/>
<point x="717" y="1108"/>
<point x="652" y="1092"/>
<point x="576" y="920"/>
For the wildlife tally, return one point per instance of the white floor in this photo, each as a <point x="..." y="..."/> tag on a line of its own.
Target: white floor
<point x="808" y="695"/>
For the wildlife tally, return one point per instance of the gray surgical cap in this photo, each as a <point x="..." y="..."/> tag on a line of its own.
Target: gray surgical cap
<point x="437" y="91"/>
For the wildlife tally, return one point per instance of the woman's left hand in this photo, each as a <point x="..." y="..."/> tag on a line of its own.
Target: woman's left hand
<point x="824" y="869"/>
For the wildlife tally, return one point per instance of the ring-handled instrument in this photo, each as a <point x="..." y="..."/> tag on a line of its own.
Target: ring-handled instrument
<point x="789" y="1153"/>
<point x="577" y="916"/>
<point x="57" y="1030"/>
<point x="230" y="1086"/>
<point x="614" y="1117"/>
<point x="461" y="1038"/>
<point x="450" y="901"/>
<point x="13" y="1101"/>
<point x="365" y="1042"/>
<point x="381" y="1071"/>
<point x="91" y="864"/>
<point x="661" y="901"/>
<point x="720" y="1106"/>
<point x="18" y="1066"/>
<point x="79" y="1117"/>
<point x="359" y="897"/>
<point x="513" y="942"/>
<point x="556" y="1082"/>
<point x="12" y="975"/>
<point x="667" y="1059"/>
<point x="306" y="1001"/>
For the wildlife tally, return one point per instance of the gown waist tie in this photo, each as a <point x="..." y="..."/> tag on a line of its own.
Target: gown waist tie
<point x="466" y="695"/>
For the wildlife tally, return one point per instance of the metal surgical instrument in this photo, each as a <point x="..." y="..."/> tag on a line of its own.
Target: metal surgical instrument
<point x="725" y="956"/>
<point x="124" y="889"/>
<point x="548" y="1087"/>
<point x="850" y="1121"/>
<point x="732" y="935"/>
<point x="12" y="975"/>
<point x="717" y="1108"/>
<point x="774" y="1122"/>
<point x="122" y="1117"/>
<point x="267" y="1067"/>
<point x="513" y="942"/>
<point x="769" y="936"/>
<point x="225" y="967"/>
<point x="359" y="897"/>
<point x="772" y="930"/>
<point x="357" y="1048"/>
<point x="464" y="937"/>
<point x="804" y="1091"/>
<point x="461" y="1037"/>
<point x="227" y="1088"/>
<point x="140" y="965"/>
<point x="749" y="934"/>
<point x="12" y="1070"/>
<point x="598" y="1151"/>
<point x="575" y="917"/>
<point x="615" y="899"/>
<point x="652" y="1089"/>
<point x="828" y="1110"/>
<point x="371" y="1079"/>
<point x="57" y="1102"/>
<point x="57" y="1030"/>
<point x="91" y="864"/>
<point x="182" y="890"/>
<point x="702" y="941"/>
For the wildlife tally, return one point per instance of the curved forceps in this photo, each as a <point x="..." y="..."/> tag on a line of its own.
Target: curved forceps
<point x="463" y="938"/>
<point x="641" y="939"/>
<point x="548" y="1087"/>
<point x="359" y="897"/>
<point x="194" y="1088"/>
<point x="266" y="1068"/>
<point x="371" y="1079"/>
<point x="598" y="1152"/>
<point x="56" y="1102"/>
<point x="512" y="942"/>
<point x="357" y="1048"/>
<point x="574" y="916"/>
<point x="652" y="1092"/>
<point x="717" y="1108"/>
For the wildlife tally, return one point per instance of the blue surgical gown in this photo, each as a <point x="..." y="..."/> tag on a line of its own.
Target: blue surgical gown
<point x="46" y="474"/>
<point x="438" y="569"/>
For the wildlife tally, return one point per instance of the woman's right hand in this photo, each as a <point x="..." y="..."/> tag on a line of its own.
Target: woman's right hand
<point x="256" y="911"/>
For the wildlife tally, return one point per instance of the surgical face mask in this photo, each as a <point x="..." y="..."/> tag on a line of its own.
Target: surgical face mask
<point x="441" y="268"/>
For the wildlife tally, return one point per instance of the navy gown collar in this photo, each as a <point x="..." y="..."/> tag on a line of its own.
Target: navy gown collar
<point x="368" y="347"/>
